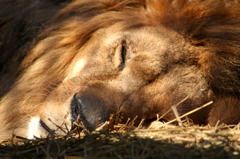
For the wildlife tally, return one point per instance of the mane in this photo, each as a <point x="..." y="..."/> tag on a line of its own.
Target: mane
<point x="210" y="24"/>
<point x="204" y="23"/>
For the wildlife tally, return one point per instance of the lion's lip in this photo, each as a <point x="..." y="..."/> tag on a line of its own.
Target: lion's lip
<point x="44" y="125"/>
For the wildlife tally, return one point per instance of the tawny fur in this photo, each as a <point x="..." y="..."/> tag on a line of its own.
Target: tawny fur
<point x="182" y="48"/>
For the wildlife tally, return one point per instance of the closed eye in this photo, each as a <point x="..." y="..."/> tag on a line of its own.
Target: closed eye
<point x="123" y="55"/>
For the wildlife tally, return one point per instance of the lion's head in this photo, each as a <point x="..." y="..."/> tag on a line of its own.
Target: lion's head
<point x="128" y="58"/>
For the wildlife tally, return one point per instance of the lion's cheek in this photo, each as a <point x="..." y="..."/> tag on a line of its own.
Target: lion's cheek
<point x="184" y="87"/>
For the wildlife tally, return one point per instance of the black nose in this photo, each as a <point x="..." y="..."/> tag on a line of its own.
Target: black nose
<point x="92" y="107"/>
<point x="75" y="107"/>
<point x="87" y="109"/>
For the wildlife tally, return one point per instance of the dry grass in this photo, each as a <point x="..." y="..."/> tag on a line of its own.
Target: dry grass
<point x="160" y="140"/>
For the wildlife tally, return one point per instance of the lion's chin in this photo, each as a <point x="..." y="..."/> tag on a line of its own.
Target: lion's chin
<point x="35" y="129"/>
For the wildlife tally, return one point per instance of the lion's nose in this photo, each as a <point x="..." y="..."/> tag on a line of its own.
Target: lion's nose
<point x="76" y="106"/>
<point x="88" y="108"/>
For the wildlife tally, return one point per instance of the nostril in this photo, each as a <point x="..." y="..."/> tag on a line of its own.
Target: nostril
<point x="87" y="108"/>
<point x="75" y="107"/>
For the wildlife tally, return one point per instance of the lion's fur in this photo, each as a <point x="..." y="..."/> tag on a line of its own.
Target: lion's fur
<point x="44" y="53"/>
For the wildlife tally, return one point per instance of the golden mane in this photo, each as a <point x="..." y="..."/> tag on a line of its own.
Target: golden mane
<point x="215" y="25"/>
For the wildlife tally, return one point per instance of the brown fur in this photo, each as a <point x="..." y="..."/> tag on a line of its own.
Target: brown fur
<point x="174" y="49"/>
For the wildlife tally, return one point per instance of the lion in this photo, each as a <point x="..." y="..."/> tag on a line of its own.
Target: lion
<point x="84" y="61"/>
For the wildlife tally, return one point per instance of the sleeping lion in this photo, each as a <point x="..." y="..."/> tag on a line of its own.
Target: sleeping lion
<point x="86" y="60"/>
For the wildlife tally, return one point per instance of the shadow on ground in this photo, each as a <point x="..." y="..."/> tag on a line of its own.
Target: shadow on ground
<point x="116" y="145"/>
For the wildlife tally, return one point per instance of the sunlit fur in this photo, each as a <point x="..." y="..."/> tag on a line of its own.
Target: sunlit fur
<point x="177" y="49"/>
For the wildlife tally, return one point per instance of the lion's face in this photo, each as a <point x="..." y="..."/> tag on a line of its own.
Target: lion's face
<point x="140" y="72"/>
<point x="99" y="58"/>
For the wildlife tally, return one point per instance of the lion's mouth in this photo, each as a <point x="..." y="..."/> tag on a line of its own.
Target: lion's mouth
<point x="78" y="110"/>
<point x="45" y="127"/>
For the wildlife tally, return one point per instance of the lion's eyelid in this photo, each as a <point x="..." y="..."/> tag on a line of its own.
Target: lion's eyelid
<point x="123" y="55"/>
